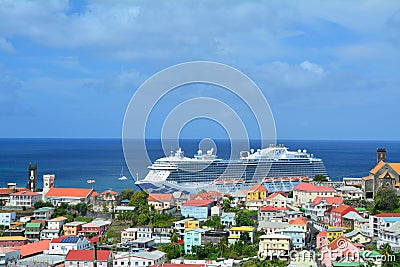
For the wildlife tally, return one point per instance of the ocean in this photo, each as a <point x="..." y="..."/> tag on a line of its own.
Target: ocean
<point x="74" y="161"/>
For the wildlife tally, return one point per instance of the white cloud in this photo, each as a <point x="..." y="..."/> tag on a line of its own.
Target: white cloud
<point x="6" y="46"/>
<point x="306" y="65"/>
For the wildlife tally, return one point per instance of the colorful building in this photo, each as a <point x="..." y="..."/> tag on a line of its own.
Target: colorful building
<point x="297" y="234"/>
<point x="199" y="209"/>
<point x="274" y="246"/>
<point x="77" y="258"/>
<point x="334" y="232"/>
<point x="256" y="193"/>
<point x="277" y="200"/>
<point x="192" y="238"/>
<point x="72" y="228"/>
<point x="236" y="232"/>
<point x="12" y="241"/>
<point x="337" y="213"/>
<point x="306" y="193"/>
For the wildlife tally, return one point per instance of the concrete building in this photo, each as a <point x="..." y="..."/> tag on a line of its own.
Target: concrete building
<point x="192" y="238"/>
<point x="24" y="198"/>
<point x="391" y="236"/>
<point x="44" y="213"/>
<point x="145" y="259"/>
<point x="228" y="219"/>
<point x="71" y="196"/>
<point x="62" y="245"/>
<point x="274" y="246"/>
<point x="297" y="234"/>
<point x="315" y="210"/>
<point x="72" y="228"/>
<point x="7" y="217"/>
<point x="199" y="209"/>
<point x="78" y="258"/>
<point x="306" y="193"/>
<point x="184" y="225"/>
<point x="8" y="256"/>
<point x="235" y="232"/>
<point x="161" y="201"/>
<point x="379" y="222"/>
<point x="12" y="241"/>
<point x="277" y="200"/>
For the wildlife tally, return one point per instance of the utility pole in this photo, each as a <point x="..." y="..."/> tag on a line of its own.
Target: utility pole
<point x="95" y="254"/>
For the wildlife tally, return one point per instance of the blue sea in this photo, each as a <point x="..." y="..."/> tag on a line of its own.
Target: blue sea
<point x="74" y="161"/>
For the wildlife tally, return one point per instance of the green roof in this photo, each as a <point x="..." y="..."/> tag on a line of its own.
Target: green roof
<point x="33" y="224"/>
<point x="370" y="254"/>
<point x="44" y="209"/>
<point x="361" y="209"/>
<point x="345" y="264"/>
<point x="31" y="233"/>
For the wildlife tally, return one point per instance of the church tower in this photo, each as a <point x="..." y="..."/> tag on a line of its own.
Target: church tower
<point x="381" y="154"/>
<point x="48" y="182"/>
<point x="32" y="177"/>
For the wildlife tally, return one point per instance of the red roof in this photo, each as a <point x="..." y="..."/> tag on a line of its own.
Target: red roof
<point x="160" y="197"/>
<point x="87" y="255"/>
<point x="271" y="208"/>
<point x="197" y="203"/>
<point x="257" y="188"/>
<point x="329" y="200"/>
<point x="276" y="194"/>
<point x="8" y="191"/>
<point x="25" y="192"/>
<point x="33" y="248"/>
<point x="341" y="243"/>
<point x="387" y="215"/>
<point x="178" y="265"/>
<point x="109" y="192"/>
<point x="343" y="209"/>
<point x="69" y="192"/>
<point x="312" y="188"/>
<point x="299" y="221"/>
<point x="322" y="234"/>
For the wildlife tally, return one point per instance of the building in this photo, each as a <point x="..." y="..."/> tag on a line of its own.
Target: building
<point x="340" y="250"/>
<point x="238" y="198"/>
<point x="306" y="193"/>
<point x="32" y="230"/>
<point x="8" y="256"/>
<point x="300" y="222"/>
<point x="235" y="232"/>
<point x="44" y="213"/>
<point x="391" y="236"/>
<point x="297" y="234"/>
<point x="96" y="227"/>
<point x="199" y="209"/>
<point x="216" y="211"/>
<point x="356" y="236"/>
<point x="334" y="232"/>
<point x="72" y="228"/>
<point x="162" y="235"/>
<point x="337" y="213"/>
<point x="106" y="201"/>
<point x="7" y="217"/>
<point x="322" y="240"/>
<point x="315" y="209"/>
<point x="12" y="241"/>
<point x="24" y="198"/>
<point x="192" y="238"/>
<point x="353" y="220"/>
<point x="379" y="222"/>
<point x="32" y="249"/>
<point x="161" y="201"/>
<point x="128" y="234"/>
<point x="270" y="227"/>
<point x="350" y="192"/>
<point x="71" y="196"/>
<point x="273" y="246"/>
<point x="56" y="223"/>
<point x="124" y="259"/>
<point x="63" y="244"/>
<point x="256" y="193"/>
<point x="268" y="212"/>
<point x="77" y="258"/>
<point x="277" y="200"/>
<point x="184" y="225"/>
<point x="228" y="219"/>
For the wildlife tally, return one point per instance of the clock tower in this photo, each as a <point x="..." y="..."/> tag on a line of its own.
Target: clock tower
<point x="32" y="177"/>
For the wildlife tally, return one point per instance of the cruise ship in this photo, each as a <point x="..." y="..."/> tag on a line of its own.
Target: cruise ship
<point x="277" y="168"/>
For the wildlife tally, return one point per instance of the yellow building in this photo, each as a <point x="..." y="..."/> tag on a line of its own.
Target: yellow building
<point x="273" y="246"/>
<point x="189" y="225"/>
<point x="236" y="231"/>
<point x="72" y="228"/>
<point x="256" y="192"/>
<point x="333" y="232"/>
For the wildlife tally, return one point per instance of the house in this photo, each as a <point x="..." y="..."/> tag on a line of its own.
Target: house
<point x="383" y="174"/>
<point x="123" y="259"/>
<point x="199" y="209"/>
<point x="315" y="209"/>
<point x="293" y="215"/>
<point x="32" y="230"/>
<point x="270" y="227"/>
<point x="77" y="258"/>
<point x="350" y="192"/>
<point x="71" y="196"/>
<point x="162" y="235"/>
<point x="72" y="228"/>
<point x="256" y="193"/>
<point x="337" y="214"/>
<point x="235" y="232"/>
<point x="306" y="193"/>
<point x="8" y="256"/>
<point x="356" y="236"/>
<point x="268" y="212"/>
<point x="300" y="222"/>
<point x="184" y="225"/>
<point x="391" y="236"/>
<point x="192" y="238"/>
<point x="96" y="227"/>
<point x="44" y="213"/>
<point x="56" y="223"/>
<point x="7" y="217"/>
<point x="353" y="220"/>
<point x="12" y="241"/>
<point x="214" y="236"/>
<point x="32" y="249"/>
<point x="274" y="246"/>
<point x="380" y="221"/>
<point x="238" y="198"/>
<point x="61" y="245"/>
<point x="321" y="240"/>
<point x="15" y="229"/>
<point x="228" y="219"/>
<point x="128" y="234"/>
<point x="340" y="250"/>
<point x="25" y="198"/>
<point x="277" y="200"/>
<point x="106" y="201"/>
<point x="161" y="201"/>
<point x="180" y="198"/>
<point x="297" y="234"/>
<point x="333" y="233"/>
<point x="216" y="211"/>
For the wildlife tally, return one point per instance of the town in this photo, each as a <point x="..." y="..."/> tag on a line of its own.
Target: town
<point x="353" y="222"/>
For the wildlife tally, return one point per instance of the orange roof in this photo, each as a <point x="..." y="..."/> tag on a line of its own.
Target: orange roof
<point x="343" y="209"/>
<point x="160" y="197"/>
<point x="377" y="167"/>
<point x="299" y="221"/>
<point x="257" y="188"/>
<point x="385" y="175"/>
<point x="341" y="242"/>
<point x="87" y="255"/>
<point x="387" y="215"/>
<point x="25" y="192"/>
<point x="272" y="208"/>
<point x="276" y="194"/>
<point x="33" y="248"/>
<point x="322" y="234"/>
<point x="367" y="178"/>
<point x="395" y="166"/>
<point x="197" y="203"/>
<point x="109" y="192"/>
<point x="69" y="192"/>
<point x="329" y="200"/>
<point x="94" y="194"/>
<point x="312" y="188"/>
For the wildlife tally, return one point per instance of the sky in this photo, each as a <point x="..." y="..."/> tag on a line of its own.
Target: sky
<point x="328" y="69"/>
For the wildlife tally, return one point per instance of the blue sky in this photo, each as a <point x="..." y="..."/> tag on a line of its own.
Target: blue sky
<point x="329" y="69"/>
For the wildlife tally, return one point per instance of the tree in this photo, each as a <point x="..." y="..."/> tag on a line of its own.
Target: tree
<point x="127" y="193"/>
<point x="386" y="250"/>
<point x="242" y="219"/>
<point x="227" y="205"/>
<point x="320" y="178"/>
<point x="245" y="237"/>
<point x="214" y="222"/>
<point x="385" y="200"/>
<point x="81" y="208"/>
<point x="139" y="200"/>
<point x="173" y="251"/>
<point x="41" y="204"/>
<point x="174" y="236"/>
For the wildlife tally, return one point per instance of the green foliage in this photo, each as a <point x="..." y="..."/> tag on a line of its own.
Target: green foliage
<point x="265" y="263"/>
<point x="84" y="219"/>
<point x="320" y="178"/>
<point x="139" y="200"/>
<point x="227" y="205"/>
<point x="244" y="218"/>
<point x="173" y="251"/>
<point x="385" y="200"/>
<point x="41" y="204"/>
<point x="81" y="208"/>
<point x="127" y="193"/>
<point x="245" y="238"/>
<point x="174" y="236"/>
<point x="214" y="222"/>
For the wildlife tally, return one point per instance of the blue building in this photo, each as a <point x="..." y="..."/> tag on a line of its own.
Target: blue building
<point x="199" y="209"/>
<point x="192" y="238"/>
<point x="297" y="234"/>
<point x="228" y="219"/>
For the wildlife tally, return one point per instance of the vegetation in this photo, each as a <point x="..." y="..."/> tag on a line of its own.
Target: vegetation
<point x="127" y="193"/>
<point x="214" y="223"/>
<point x="320" y="178"/>
<point x="385" y="200"/>
<point x="84" y="219"/>
<point x="173" y="251"/>
<point x="245" y="218"/>
<point x="41" y="204"/>
<point x="265" y="263"/>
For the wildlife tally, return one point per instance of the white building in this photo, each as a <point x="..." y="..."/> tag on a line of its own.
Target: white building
<point x="7" y="217"/>
<point x="71" y="196"/>
<point x="78" y="258"/>
<point x="124" y="259"/>
<point x="25" y="198"/>
<point x="62" y="245"/>
<point x="216" y="211"/>
<point x="305" y="193"/>
<point x="8" y="256"/>
<point x="316" y="209"/>
<point x="390" y="235"/>
<point x="161" y="201"/>
<point x="56" y="223"/>
<point x="381" y="221"/>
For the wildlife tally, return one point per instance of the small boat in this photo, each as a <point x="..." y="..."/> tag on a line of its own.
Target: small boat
<point x="91" y="181"/>
<point x="122" y="176"/>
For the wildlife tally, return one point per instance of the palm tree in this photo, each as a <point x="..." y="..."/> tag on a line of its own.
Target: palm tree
<point x="222" y="245"/>
<point x="386" y="250"/>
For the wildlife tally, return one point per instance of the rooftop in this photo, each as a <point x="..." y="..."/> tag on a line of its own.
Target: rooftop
<point x="33" y="248"/>
<point x="69" y="192"/>
<point x="329" y="200"/>
<point x="312" y="188"/>
<point x="13" y="238"/>
<point x="25" y="193"/>
<point x="271" y="208"/>
<point x="197" y="203"/>
<point x="87" y="255"/>
<point x="387" y="215"/>
<point x="299" y="221"/>
<point x="160" y="197"/>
